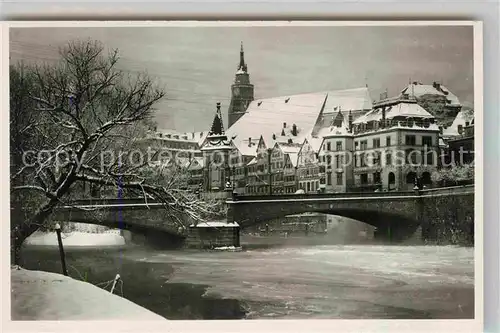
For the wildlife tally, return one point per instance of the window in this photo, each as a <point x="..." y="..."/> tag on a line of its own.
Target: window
<point x="460" y="129"/>
<point x="376" y="177"/>
<point x="364" y="178"/>
<point x="329" y="178"/>
<point x="339" y="179"/>
<point x="362" y="161"/>
<point x="427" y="141"/>
<point x="339" y="145"/>
<point x="429" y="157"/>
<point x="337" y="161"/>
<point x="376" y="143"/>
<point x="410" y="140"/>
<point x="329" y="160"/>
<point x="376" y="158"/>
<point x="388" y="141"/>
<point x="308" y="187"/>
<point x="412" y="156"/>
<point x="356" y="145"/>
<point x="364" y="145"/>
<point x="328" y="146"/>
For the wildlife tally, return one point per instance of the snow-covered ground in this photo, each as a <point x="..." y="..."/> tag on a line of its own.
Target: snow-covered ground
<point x="38" y="295"/>
<point x="77" y="238"/>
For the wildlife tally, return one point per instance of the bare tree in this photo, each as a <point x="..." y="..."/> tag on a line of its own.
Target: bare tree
<point x="76" y="122"/>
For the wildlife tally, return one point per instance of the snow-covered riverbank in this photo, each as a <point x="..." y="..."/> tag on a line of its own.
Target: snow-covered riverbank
<point x="38" y="295"/>
<point x="77" y="238"/>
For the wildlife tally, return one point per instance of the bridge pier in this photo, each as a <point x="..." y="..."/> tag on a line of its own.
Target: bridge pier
<point x="211" y="235"/>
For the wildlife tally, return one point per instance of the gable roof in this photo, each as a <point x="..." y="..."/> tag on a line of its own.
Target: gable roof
<point x="419" y="90"/>
<point x="401" y="109"/>
<point x="265" y="117"/>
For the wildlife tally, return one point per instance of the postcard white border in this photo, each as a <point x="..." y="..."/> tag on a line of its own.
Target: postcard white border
<point x="462" y="325"/>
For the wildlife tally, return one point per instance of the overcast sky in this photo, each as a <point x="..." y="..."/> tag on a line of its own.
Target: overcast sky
<point x="197" y="65"/>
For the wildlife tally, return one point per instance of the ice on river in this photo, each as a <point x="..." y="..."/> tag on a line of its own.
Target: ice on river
<point x="338" y="281"/>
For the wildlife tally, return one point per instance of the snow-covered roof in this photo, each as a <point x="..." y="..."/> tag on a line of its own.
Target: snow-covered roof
<point x="315" y="143"/>
<point x="246" y="147"/>
<point x="288" y="148"/>
<point x="464" y="116"/>
<point x="348" y="99"/>
<point x="266" y="117"/>
<point x="332" y="131"/>
<point x="294" y="158"/>
<point x="419" y="90"/>
<point x="253" y="161"/>
<point x="402" y="109"/>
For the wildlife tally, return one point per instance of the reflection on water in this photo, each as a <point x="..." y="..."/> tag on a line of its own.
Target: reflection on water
<point x="322" y="281"/>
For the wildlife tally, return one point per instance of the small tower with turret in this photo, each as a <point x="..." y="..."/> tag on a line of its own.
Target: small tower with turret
<point x="241" y="91"/>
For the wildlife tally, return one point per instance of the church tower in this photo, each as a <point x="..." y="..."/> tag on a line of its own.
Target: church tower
<point x="241" y="91"/>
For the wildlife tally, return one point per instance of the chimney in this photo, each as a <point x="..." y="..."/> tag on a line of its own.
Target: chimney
<point x="218" y="107"/>
<point x="440" y="129"/>
<point x="284" y="125"/>
<point x="201" y="134"/>
<point x="436" y="85"/>
<point x="290" y="140"/>
<point x="274" y="136"/>
<point x="350" y="121"/>
<point x="294" y="130"/>
<point x="249" y="142"/>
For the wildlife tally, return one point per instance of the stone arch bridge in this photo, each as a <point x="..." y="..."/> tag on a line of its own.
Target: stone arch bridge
<point x="396" y="215"/>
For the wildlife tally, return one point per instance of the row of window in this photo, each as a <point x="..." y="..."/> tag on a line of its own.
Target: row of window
<point x="374" y="125"/>
<point x="410" y="140"/>
<point x="340" y="179"/>
<point x="309" y="186"/>
<point x="328" y="146"/>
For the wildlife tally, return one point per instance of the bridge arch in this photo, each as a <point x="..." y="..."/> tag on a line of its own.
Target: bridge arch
<point x="395" y="219"/>
<point x="153" y="224"/>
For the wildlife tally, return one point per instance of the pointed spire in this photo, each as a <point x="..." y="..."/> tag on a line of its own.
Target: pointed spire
<point x="242" y="66"/>
<point x="217" y="125"/>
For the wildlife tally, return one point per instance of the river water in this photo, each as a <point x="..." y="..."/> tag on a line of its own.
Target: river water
<point x="292" y="282"/>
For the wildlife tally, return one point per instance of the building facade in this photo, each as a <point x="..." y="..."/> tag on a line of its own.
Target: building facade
<point x="395" y="145"/>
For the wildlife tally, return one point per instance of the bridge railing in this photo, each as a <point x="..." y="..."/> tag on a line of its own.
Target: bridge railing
<point x="325" y="195"/>
<point x="431" y="191"/>
<point x="449" y="190"/>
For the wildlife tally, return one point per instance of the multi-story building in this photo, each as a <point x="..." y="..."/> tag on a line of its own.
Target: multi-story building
<point x="170" y="145"/>
<point x="394" y="145"/>
<point x="335" y="155"/>
<point x="461" y="146"/>
<point x="308" y="166"/>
